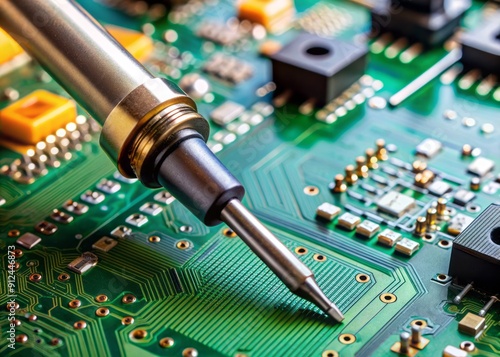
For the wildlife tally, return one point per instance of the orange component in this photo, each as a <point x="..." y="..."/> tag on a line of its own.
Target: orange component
<point x="272" y="14"/>
<point x="138" y="44"/>
<point x="35" y="116"/>
<point x="8" y="47"/>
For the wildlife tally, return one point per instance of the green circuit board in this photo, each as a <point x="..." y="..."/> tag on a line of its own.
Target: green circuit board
<point x="165" y="284"/>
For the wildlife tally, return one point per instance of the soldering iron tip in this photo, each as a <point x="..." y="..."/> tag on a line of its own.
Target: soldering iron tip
<point x="335" y="313"/>
<point x="310" y="290"/>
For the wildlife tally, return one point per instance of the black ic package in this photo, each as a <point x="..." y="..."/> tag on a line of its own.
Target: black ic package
<point x="481" y="47"/>
<point x="313" y="67"/>
<point x="475" y="255"/>
<point x="430" y="22"/>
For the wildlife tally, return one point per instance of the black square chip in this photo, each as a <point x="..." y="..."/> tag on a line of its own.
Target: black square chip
<point x="475" y="256"/>
<point x="428" y="22"/>
<point x="481" y="47"/>
<point x="319" y="68"/>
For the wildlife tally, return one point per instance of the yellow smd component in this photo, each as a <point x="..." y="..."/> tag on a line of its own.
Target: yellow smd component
<point x="272" y="14"/>
<point x="138" y="44"/>
<point x="8" y="47"/>
<point x="35" y="116"/>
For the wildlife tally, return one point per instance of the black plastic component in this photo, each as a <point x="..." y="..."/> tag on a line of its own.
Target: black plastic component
<point x="430" y="22"/>
<point x="427" y="6"/>
<point x="475" y="256"/>
<point x="316" y="67"/>
<point x="481" y="47"/>
<point x="194" y="175"/>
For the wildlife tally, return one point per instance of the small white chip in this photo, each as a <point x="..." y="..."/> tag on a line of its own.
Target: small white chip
<point x="28" y="240"/>
<point x="238" y="128"/>
<point x="462" y="197"/>
<point x="439" y="188"/>
<point x="481" y="166"/>
<point x="224" y="137"/>
<point x="327" y="211"/>
<point x="389" y="238"/>
<point x="348" y="221"/>
<point x="367" y="229"/>
<point x="252" y="118"/>
<point x="164" y="197"/>
<point x="429" y="148"/>
<point x="452" y="351"/>
<point x="151" y="208"/>
<point x="75" y="207"/>
<point x="396" y="204"/>
<point x="137" y="219"/>
<point x="407" y="247"/>
<point x="61" y="217"/>
<point x="108" y="186"/>
<point x="121" y="232"/>
<point x="458" y="223"/>
<point x="92" y="197"/>
<point x="226" y="112"/>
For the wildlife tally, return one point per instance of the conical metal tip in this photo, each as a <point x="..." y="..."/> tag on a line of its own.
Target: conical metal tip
<point x="335" y="313"/>
<point x="310" y="291"/>
<point x="296" y="276"/>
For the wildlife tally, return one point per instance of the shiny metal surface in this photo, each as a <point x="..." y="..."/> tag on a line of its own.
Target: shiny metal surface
<point x="142" y="118"/>
<point x="296" y="276"/>
<point x="104" y="79"/>
<point x="137" y="127"/>
<point x="94" y="69"/>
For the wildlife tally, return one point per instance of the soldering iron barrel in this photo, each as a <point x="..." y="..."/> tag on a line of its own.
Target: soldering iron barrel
<point x="105" y="80"/>
<point x="78" y="52"/>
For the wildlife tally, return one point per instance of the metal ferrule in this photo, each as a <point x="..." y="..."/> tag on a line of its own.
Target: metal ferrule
<point x="156" y="138"/>
<point x="105" y="79"/>
<point x="136" y="129"/>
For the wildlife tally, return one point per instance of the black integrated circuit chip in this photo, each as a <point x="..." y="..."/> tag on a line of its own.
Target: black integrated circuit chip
<point x="475" y="255"/>
<point x="318" y="68"/>
<point x="428" y="22"/>
<point x="481" y="47"/>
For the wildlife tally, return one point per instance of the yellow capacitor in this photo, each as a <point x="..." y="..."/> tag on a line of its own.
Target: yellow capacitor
<point x="138" y="44"/>
<point x="32" y="118"/>
<point x="8" y="47"/>
<point x="272" y="14"/>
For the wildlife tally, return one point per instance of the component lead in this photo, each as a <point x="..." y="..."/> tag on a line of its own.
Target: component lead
<point x="431" y="217"/>
<point x="488" y="305"/>
<point x="416" y="335"/>
<point x="361" y="168"/>
<point x="371" y="159"/>
<point x="442" y="211"/>
<point x="381" y="150"/>
<point x="339" y="185"/>
<point x="404" y="340"/>
<point x="439" y="67"/>
<point x="350" y="177"/>
<point x="461" y="294"/>
<point x="420" y="226"/>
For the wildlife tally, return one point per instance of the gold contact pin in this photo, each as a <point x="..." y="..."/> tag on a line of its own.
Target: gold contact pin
<point x="442" y="210"/>
<point x="340" y="186"/>
<point x="371" y="159"/>
<point x="475" y="184"/>
<point x="418" y="166"/>
<point x="431" y="217"/>
<point x="350" y="176"/>
<point x="381" y="152"/>
<point x="420" y="226"/>
<point x="361" y="168"/>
